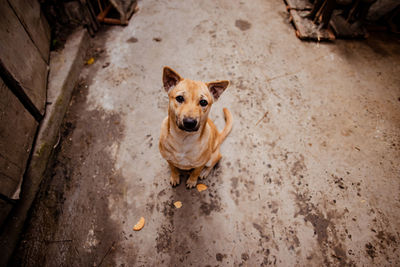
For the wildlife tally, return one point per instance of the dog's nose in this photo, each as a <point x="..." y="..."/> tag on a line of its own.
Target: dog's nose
<point x="189" y="123"/>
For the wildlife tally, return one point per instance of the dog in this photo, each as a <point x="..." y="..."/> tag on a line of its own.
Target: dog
<point x="189" y="140"/>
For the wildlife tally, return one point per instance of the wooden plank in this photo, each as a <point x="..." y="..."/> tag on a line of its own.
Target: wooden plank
<point x="17" y="132"/>
<point x="18" y="90"/>
<point x="21" y="58"/>
<point x="10" y="176"/>
<point x="5" y="209"/>
<point x="299" y="4"/>
<point x="307" y="30"/>
<point x="343" y="29"/>
<point x="31" y="17"/>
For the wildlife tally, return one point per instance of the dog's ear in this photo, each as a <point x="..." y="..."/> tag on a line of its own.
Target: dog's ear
<point x="170" y="78"/>
<point x="217" y="88"/>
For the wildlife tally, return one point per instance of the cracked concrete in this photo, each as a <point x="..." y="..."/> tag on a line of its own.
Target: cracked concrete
<point x="310" y="173"/>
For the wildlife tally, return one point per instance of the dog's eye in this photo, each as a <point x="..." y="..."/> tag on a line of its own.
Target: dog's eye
<point x="180" y="99"/>
<point x="203" y="103"/>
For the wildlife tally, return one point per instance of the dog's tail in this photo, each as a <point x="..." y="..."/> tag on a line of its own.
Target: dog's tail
<point x="228" y="125"/>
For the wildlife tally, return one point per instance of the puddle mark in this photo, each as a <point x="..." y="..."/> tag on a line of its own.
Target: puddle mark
<point x="370" y="249"/>
<point x="243" y="25"/>
<point x="164" y="239"/>
<point x="132" y="40"/>
<point x="324" y="229"/>
<point x="65" y="194"/>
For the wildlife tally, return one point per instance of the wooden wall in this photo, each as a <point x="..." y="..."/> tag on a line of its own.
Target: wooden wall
<point x="24" y="61"/>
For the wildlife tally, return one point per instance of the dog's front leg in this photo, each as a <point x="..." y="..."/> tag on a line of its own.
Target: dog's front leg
<point x="174" y="174"/>
<point x="192" y="181"/>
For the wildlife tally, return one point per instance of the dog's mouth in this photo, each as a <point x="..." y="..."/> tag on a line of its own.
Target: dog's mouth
<point x="187" y="129"/>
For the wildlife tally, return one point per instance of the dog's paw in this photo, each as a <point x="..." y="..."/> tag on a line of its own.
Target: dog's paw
<point x="205" y="172"/>
<point x="174" y="181"/>
<point x="190" y="183"/>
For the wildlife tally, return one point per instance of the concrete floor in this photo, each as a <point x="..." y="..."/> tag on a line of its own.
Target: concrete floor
<point x="310" y="174"/>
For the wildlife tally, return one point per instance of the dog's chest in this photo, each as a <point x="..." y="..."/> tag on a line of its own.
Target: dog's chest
<point x="186" y="154"/>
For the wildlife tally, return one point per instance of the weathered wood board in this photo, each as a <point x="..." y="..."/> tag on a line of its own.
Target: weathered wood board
<point x="307" y="30"/>
<point x="343" y="29"/>
<point x="21" y="58"/>
<point x="5" y="209"/>
<point x="17" y="132"/>
<point x="34" y="22"/>
<point x="299" y="4"/>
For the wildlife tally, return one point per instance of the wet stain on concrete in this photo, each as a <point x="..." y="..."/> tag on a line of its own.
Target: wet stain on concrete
<point x="182" y="231"/>
<point x="340" y="255"/>
<point x="220" y="257"/>
<point x="213" y="34"/>
<point x="320" y="224"/>
<point x="245" y="256"/>
<point x="386" y="238"/>
<point x="265" y="245"/>
<point x="383" y="242"/>
<point x="274" y="207"/>
<point x="298" y="166"/>
<point x="206" y="208"/>
<point x="149" y="140"/>
<point x="370" y="249"/>
<point x="234" y="182"/>
<point x="339" y="181"/>
<point x="164" y="239"/>
<point x="260" y="230"/>
<point x="132" y="40"/>
<point x="168" y="211"/>
<point x="50" y="237"/>
<point x="234" y="189"/>
<point x="243" y="25"/>
<point x="325" y="231"/>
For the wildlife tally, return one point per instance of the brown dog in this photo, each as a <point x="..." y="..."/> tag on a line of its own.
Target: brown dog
<point x="189" y="139"/>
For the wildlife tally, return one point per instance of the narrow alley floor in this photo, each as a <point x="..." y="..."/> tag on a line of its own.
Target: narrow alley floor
<point x="310" y="173"/>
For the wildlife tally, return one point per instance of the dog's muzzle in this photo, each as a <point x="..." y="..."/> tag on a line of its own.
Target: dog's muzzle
<point x="189" y="125"/>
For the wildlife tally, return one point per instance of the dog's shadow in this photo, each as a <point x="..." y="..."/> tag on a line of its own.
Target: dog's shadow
<point x="184" y="233"/>
<point x="194" y="202"/>
<point x="184" y="176"/>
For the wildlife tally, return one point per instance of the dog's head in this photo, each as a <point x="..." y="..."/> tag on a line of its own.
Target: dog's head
<point x="190" y="101"/>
